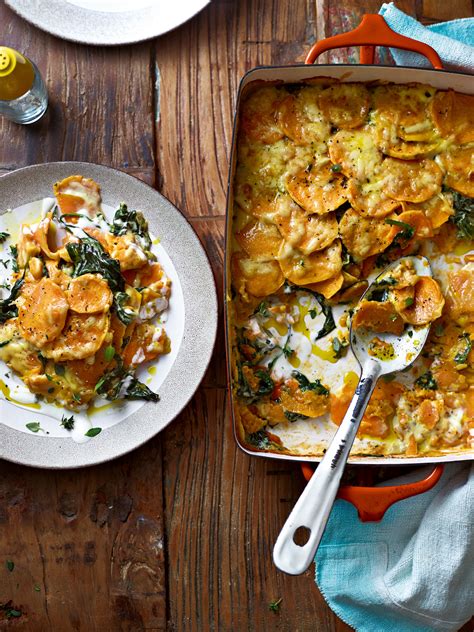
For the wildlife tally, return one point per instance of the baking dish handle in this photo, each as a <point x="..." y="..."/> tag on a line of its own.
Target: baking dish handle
<point x="373" y="31"/>
<point x="372" y="502"/>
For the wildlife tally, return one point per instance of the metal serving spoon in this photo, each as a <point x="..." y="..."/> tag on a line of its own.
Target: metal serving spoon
<point x="315" y="503"/>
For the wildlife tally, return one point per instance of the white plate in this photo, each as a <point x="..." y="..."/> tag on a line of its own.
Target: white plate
<point x="191" y="325"/>
<point x="106" y="22"/>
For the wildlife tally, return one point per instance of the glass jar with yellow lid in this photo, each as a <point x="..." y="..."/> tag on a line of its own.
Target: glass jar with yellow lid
<point x="23" y="96"/>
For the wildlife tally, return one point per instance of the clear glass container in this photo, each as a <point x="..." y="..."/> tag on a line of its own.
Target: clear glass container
<point x="29" y="107"/>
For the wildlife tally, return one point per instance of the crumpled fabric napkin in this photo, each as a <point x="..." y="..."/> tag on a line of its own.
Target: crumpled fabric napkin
<point x="453" y="41"/>
<point x="411" y="572"/>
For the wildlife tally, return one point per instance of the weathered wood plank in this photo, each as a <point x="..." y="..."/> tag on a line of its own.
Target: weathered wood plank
<point x="199" y="68"/>
<point x="224" y="512"/>
<point x="100" y="102"/>
<point x="87" y="545"/>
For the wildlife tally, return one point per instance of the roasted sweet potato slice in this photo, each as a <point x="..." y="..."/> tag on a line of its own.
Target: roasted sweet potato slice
<point x="88" y="294"/>
<point x="81" y="337"/>
<point x="378" y="317"/>
<point x="258" y="278"/>
<point x="461" y="290"/>
<point x="453" y="115"/>
<point x="318" y="266"/>
<point x="356" y="153"/>
<point x="42" y="312"/>
<point x="428" y="303"/>
<point x="308" y="233"/>
<point x="412" y="181"/>
<point x="346" y="105"/>
<point x="328" y="288"/>
<point x="147" y="343"/>
<point x="259" y="240"/>
<point x="318" y="189"/>
<point x="77" y="194"/>
<point x="370" y="198"/>
<point x="418" y="221"/>
<point x="258" y="121"/>
<point x="365" y="236"/>
<point x="301" y="119"/>
<point x="459" y="171"/>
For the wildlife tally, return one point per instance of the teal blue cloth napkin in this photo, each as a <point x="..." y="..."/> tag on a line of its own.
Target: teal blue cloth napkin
<point x="453" y="41"/>
<point x="411" y="572"/>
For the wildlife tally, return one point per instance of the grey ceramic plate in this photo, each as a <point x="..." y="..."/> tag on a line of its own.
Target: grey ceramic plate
<point x="106" y="22"/>
<point x="200" y="317"/>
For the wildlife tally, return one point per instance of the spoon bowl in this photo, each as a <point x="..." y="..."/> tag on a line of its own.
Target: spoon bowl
<point x="408" y="345"/>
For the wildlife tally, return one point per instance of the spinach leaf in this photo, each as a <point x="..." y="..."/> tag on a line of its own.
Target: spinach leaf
<point x="461" y="356"/>
<point x="8" y="309"/>
<point x="294" y="416"/>
<point x="3" y="237"/>
<point x="262" y="441"/>
<point x="427" y="381"/>
<point x="120" y="382"/>
<point x="339" y="347"/>
<point x="265" y="384"/>
<point x="463" y="217"/>
<point x="306" y="385"/>
<point x="123" y="314"/>
<point x="329" y="323"/>
<point x="14" y="256"/>
<point x="405" y="234"/>
<point x="131" y="221"/>
<point x="89" y="257"/>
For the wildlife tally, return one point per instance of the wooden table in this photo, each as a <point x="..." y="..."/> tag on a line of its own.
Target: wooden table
<point x="177" y="535"/>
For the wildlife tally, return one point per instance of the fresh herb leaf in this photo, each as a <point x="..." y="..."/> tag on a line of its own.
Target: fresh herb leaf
<point x="262" y="441"/>
<point x="3" y="237"/>
<point x="67" y="422"/>
<point x="93" y="432"/>
<point x="132" y="221"/>
<point x="266" y="384"/>
<point x="109" y="353"/>
<point x="10" y="565"/>
<point x="76" y="397"/>
<point x="461" y="356"/>
<point x="4" y="343"/>
<point x="336" y="168"/>
<point x="287" y="350"/>
<point x="329" y="324"/>
<point x="124" y="314"/>
<point x="36" y="588"/>
<point x="274" y="606"/>
<point x="59" y="369"/>
<point x="294" y="416"/>
<point x="463" y="217"/>
<point x="427" y="381"/>
<point x="306" y="385"/>
<point x="405" y="234"/>
<point x="313" y="313"/>
<point x="34" y="426"/>
<point x="8" y="309"/>
<point x="339" y="347"/>
<point x="14" y="256"/>
<point x="120" y="382"/>
<point x="409" y="301"/>
<point x="262" y="310"/>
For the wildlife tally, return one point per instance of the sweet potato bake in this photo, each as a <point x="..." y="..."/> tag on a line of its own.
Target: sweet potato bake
<point x="83" y="305"/>
<point x="334" y="181"/>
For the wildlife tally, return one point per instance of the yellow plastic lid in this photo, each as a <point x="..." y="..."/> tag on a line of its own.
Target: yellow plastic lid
<point x="7" y="60"/>
<point x="16" y="74"/>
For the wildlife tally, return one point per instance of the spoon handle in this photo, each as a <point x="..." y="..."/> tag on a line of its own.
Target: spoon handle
<point x="315" y="503"/>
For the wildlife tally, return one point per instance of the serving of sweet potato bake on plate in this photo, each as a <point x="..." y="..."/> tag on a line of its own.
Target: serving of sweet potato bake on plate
<point x="333" y="182"/>
<point x="84" y="305"/>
